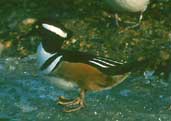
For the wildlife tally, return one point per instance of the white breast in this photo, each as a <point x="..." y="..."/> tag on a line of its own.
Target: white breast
<point x="43" y="56"/>
<point x="61" y="83"/>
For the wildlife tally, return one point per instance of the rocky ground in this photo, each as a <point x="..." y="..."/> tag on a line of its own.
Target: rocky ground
<point x="144" y="96"/>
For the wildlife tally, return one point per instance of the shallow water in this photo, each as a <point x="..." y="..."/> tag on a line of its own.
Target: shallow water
<point x="26" y="96"/>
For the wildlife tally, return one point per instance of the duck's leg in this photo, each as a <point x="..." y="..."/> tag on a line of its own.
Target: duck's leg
<point x="117" y="19"/>
<point x="138" y="23"/>
<point x="141" y="17"/>
<point x="73" y="105"/>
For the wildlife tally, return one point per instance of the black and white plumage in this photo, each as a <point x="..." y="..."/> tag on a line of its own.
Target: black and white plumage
<point x="87" y="71"/>
<point x="49" y="59"/>
<point x="48" y="47"/>
<point x="105" y="65"/>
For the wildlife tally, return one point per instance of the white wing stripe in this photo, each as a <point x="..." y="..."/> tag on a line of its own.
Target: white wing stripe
<point x="107" y="63"/>
<point x="110" y="60"/>
<point x="96" y="63"/>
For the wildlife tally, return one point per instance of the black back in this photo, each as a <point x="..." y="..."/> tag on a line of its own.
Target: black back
<point x="81" y="57"/>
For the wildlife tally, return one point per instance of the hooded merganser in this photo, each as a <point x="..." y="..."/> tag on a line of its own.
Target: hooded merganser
<point x="70" y="69"/>
<point x="128" y="6"/>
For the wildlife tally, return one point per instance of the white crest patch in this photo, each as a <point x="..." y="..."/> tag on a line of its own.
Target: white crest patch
<point x="55" y="30"/>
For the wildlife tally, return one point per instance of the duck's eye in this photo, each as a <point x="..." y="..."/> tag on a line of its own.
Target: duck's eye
<point x="55" y="30"/>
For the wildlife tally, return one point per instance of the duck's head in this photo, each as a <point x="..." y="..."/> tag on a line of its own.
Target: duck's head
<point x="52" y="34"/>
